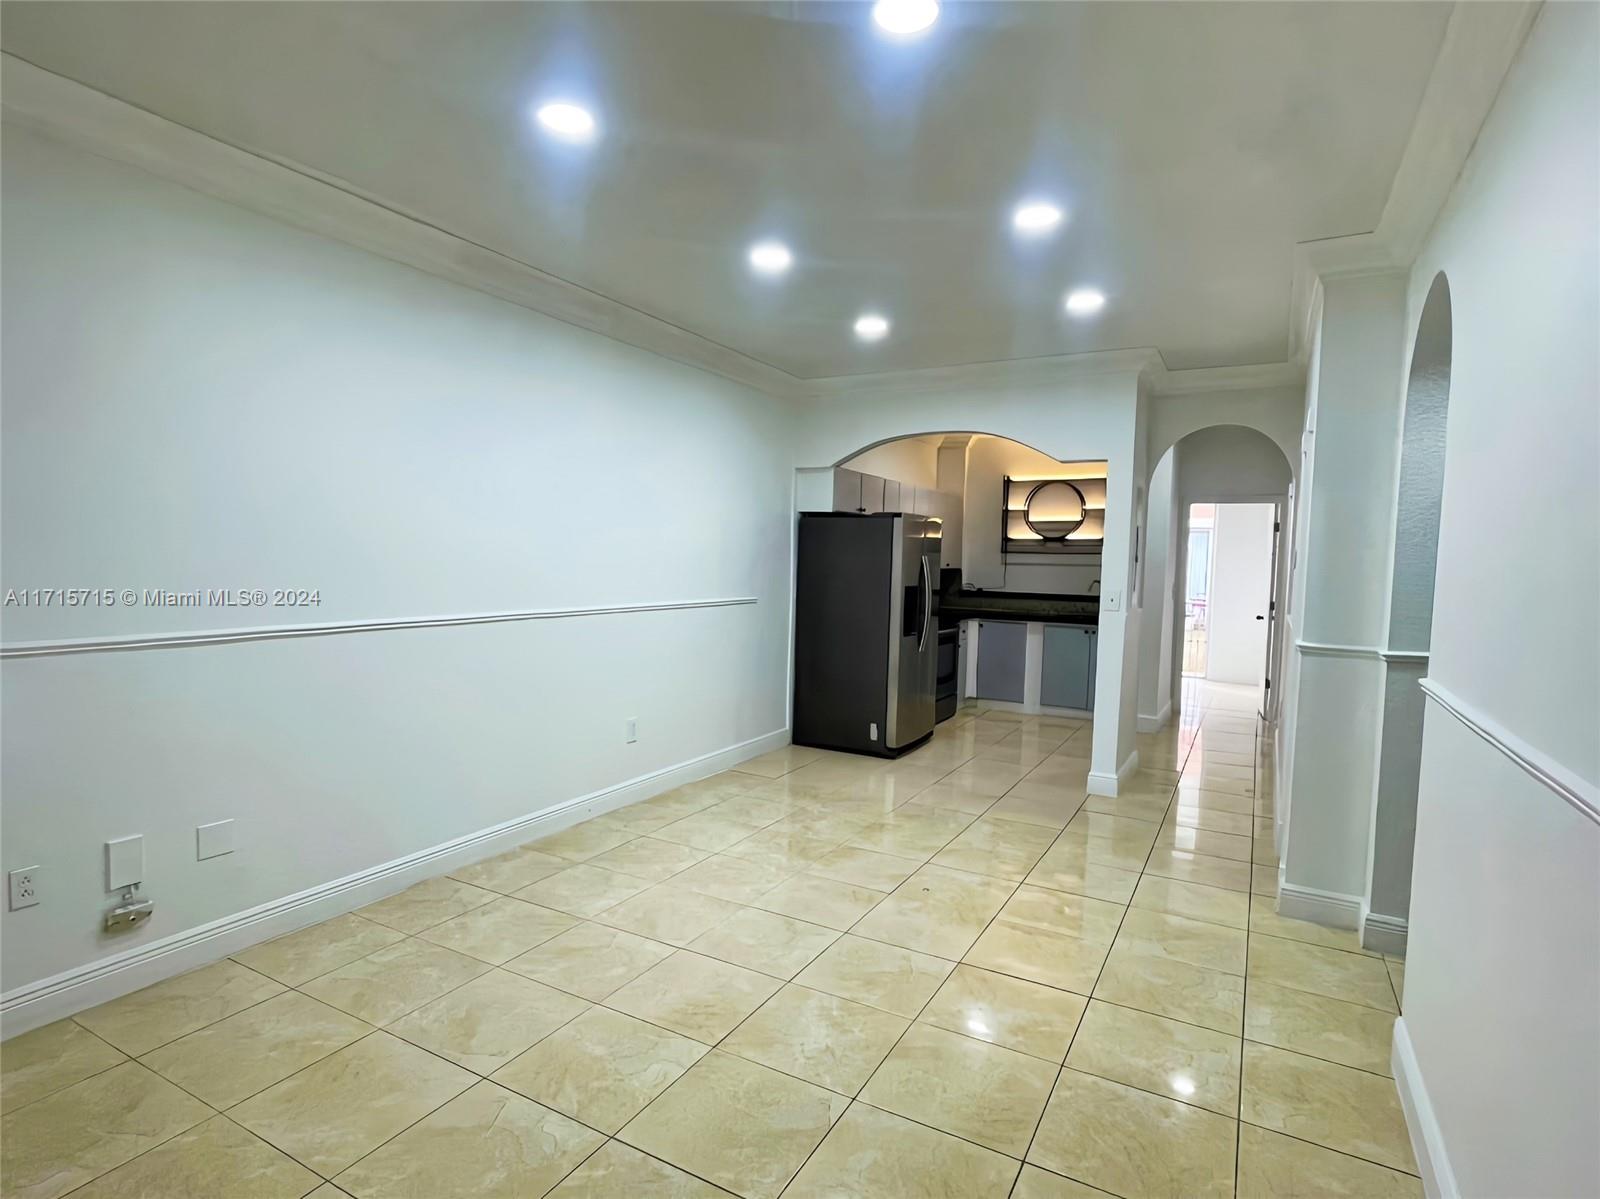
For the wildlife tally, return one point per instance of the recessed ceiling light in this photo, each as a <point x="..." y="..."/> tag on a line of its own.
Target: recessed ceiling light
<point x="904" y="18"/>
<point x="1036" y="217"/>
<point x="569" y="122"/>
<point x="1085" y="301"/>
<point x="872" y="327"/>
<point x="770" y="258"/>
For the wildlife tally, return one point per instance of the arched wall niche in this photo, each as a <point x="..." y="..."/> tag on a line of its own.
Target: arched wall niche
<point x="1418" y="504"/>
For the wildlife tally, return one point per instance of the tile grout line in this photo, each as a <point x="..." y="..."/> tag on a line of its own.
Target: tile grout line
<point x="1090" y="999"/>
<point x="973" y="818"/>
<point x="1244" y="1013"/>
<point x="914" y="1019"/>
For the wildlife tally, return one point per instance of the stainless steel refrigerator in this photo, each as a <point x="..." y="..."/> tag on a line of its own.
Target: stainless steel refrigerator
<point x="866" y="639"/>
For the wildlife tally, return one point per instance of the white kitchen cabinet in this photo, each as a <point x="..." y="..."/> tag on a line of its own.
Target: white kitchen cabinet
<point x="846" y="490"/>
<point x="855" y="491"/>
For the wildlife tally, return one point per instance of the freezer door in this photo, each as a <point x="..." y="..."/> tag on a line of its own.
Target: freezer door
<point x="913" y="648"/>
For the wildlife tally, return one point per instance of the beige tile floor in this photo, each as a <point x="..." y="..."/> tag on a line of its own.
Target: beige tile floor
<point x="817" y="975"/>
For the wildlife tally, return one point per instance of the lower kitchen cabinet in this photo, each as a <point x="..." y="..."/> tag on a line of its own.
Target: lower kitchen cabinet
<point x="1066" y="677"/>
<point x="1002" y="659"/>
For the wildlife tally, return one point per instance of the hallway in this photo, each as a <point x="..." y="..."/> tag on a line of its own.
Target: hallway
<point x="815" y="975"/>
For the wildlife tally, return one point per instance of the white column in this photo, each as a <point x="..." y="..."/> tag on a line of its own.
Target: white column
<point x="1112" y="754"/>
<point x="1346" y="521"/>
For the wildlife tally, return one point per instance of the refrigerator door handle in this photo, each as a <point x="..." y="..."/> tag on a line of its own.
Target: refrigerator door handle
<point x="927" y="602"/>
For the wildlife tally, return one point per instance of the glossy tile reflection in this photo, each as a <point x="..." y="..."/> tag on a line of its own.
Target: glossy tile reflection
<point x="954" y="974"/>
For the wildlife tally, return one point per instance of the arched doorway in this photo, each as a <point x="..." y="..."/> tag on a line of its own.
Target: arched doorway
<point x="1411" y="595"/>
<point x="1031" y="578"/>
<point x="1217" y="465"/>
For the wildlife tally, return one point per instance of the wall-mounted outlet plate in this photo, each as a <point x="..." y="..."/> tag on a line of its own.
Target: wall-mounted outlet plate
<point x="213" y="840"/>
<point x="23" y="887"/>
<point x="124" y="863"/>
<point x="630" y="731"/>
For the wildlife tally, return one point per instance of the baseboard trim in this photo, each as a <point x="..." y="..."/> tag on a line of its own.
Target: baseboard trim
<point x="1329" y="908"/>
<point x="48" y="999"/>
<point x="1383" y="934"/>
<point x="1427" y="1139"/>
<point x="1110" y="785"/>
<point x="1154" y="724"/>
<point x="1006" y="705"/>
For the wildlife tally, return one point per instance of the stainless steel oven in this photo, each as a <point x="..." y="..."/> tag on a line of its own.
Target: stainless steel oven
<point x="946" y="693"/>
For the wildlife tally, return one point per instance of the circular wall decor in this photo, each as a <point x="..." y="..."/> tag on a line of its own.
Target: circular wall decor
<point x="1055" y="509"/>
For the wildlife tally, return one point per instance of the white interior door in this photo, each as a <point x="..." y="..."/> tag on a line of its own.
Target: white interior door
<point x="1241" y="588"/>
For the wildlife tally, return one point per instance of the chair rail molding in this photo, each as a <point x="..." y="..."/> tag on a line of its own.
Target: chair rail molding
<point x="1566" y="783"/>
<point x="1328" y="649"/>
<point x="185" y="640"/>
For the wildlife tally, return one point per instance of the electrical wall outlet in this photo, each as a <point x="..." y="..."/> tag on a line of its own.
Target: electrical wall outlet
<point x="213" y="840"/>
<point x="630" y="731"/>
<point x="24" y="887"/>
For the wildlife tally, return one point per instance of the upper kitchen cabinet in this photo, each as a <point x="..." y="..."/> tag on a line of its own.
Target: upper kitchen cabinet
<point x="857" y="491"/>
<point x="846" y="490"/>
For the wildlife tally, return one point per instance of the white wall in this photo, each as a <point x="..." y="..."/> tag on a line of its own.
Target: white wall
<point x="1296" y="527"/>
<point x="1157" y="621"/>
<point x="1231" y="464"/>
<point x="912" y="460"/>
<point x="196" y="396"/>
<point x="1275" y="412"/>
<point x="1241" y="585"/>
<point x="1503" y="977"/>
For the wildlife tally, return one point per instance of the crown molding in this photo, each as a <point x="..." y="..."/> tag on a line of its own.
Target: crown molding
<point x="1480" y="43"/>
<point x="1013" y="372"/>
<point x="1257" y="377"/>
<point x="70" y="112"/>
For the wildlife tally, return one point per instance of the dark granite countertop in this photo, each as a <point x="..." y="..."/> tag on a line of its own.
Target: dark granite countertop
<point x="1020" y="605"/>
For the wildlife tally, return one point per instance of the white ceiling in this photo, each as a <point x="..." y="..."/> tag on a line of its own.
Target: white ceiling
<point x="1193" y="144"/>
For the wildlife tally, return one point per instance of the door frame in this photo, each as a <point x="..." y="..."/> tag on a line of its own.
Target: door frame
<point x="1280" y="548"/>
